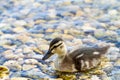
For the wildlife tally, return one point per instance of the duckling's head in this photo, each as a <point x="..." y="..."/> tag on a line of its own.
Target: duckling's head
<point x="57" y="46"/>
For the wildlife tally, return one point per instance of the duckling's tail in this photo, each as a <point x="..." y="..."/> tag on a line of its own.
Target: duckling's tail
<point x="103" y="49"/>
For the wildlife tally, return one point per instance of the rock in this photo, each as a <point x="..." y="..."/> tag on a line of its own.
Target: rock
<point x="43" y="47"/>
<point x="13" y="65"/>
<point x="113" y="53"/>
<point x="52" y="13"/>
<point x="20" y="78"/>
<point x="37" y="50"/>
<point x="38" y="36"/>
<point x="28" y="66"/>
<point x="49" y="30"/>
<point x="20" y="60"/>
<point x="115" y="75"/>
<point x="36" y="4"/>
<point x="53" y="35"/>
<point x="35" y="74"/>
<point x="2" y="59"/>
<point x="72" y="31"/>
<point x="4" y="26"/>
<point x="27" y="49"/>
<point x="39" y="21"/>
<point x="113" y="28"/>
<point x="24" y="37"/>
<point x="43" y="67"/>
<point x="20" y="23"/>
<point x="99" y="33"/>
<point x="31" y="61"/>
<point x="87" y="27"/>
<point x="79" y="13"/>
<point x="77" y="42"/>
<point x="66" y="2"/>
<point x="110" y="33"/>
<point x="88" y="1"/>
<point x="1" y="33"/>
<point x="84" y="77"/>
<point x="24" y="12"/>
<point x="19" y="50"/>
<point x="19" y="29"/>
<point x="67" y="36"/>
<point x="107" y="67"/>
<point x="117" y="63"/>
<point x="8" y="31"/>
<point x="4" y="42"/>
<point x="113" y="12"/>
<point x="10" y="46"/>
<point x="5" y="36"/>
<point x="105" y="77"/>
<point x="56" y="79"/>
<point x="10" y="55"/>
<point x="94" y="77"/>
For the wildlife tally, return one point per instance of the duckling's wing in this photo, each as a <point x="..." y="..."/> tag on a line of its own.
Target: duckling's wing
<point x="90" y="52"/>
<point x="87" y="57"/>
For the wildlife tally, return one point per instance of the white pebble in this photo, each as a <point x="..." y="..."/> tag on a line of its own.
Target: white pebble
<point x="31" y="61"/>
<point x="94" y="77"/>
<point x="28" y="67"/>
<point x="20" y="78"/>
<point x="13" y="65"/>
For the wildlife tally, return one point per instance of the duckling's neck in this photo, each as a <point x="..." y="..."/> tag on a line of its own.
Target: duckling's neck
<point x="62" y="55"/>
<point x="63" y="52"/>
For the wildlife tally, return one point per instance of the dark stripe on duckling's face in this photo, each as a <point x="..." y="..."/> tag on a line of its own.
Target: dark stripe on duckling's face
<point x="55" y="46"/>
<point x="49" y="53"/>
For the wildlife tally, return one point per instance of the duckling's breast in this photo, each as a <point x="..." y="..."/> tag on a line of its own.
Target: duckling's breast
<point x="64" y="65"/>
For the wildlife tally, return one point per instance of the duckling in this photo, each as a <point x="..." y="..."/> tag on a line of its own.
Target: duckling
<point x="82" y="59"/>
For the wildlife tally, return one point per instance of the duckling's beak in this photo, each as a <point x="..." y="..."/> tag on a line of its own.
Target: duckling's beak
<point x="47" y="55"/>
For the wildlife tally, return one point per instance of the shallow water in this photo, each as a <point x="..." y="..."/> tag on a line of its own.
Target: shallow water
<point x="27" y="27"/>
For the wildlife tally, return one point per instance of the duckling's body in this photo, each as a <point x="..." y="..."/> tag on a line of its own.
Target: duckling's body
<point x="81" y="59"/>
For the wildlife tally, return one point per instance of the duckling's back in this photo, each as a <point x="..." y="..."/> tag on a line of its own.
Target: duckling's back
<point x="86" y="58"/>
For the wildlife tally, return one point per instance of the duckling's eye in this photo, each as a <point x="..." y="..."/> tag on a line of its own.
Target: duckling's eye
<point x="61" y="46"/>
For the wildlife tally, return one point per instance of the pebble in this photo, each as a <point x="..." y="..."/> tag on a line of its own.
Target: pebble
<point x="94" y="77"/>
<point x="20" y="23"/>
<point x="20" y="78"/>
<point x="19" y="30"/>
<point x="10" y="55"/>
<point x="108" y="67"/>
<point x="28" y="67"/>
<point x="117" y="63"/>
<point x="24" y="37"/>
<point x="13" y="65"/>
<point x="27" y="49"/>
<point x="111" y="33"/>
<point x="113" y="53"/>
<point x="87" y="27"/>
<point x="43" y="47"/>
<point x="67" y="36"/>
<point x="79" y="13"/>
<point x="56" y="79"/>
<point x="113" y="12"/>
<point x="35" y="74"/>
<point x="31" y="61"/>
<point x="39" y="21"/>
<point x="99" y="33"/>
